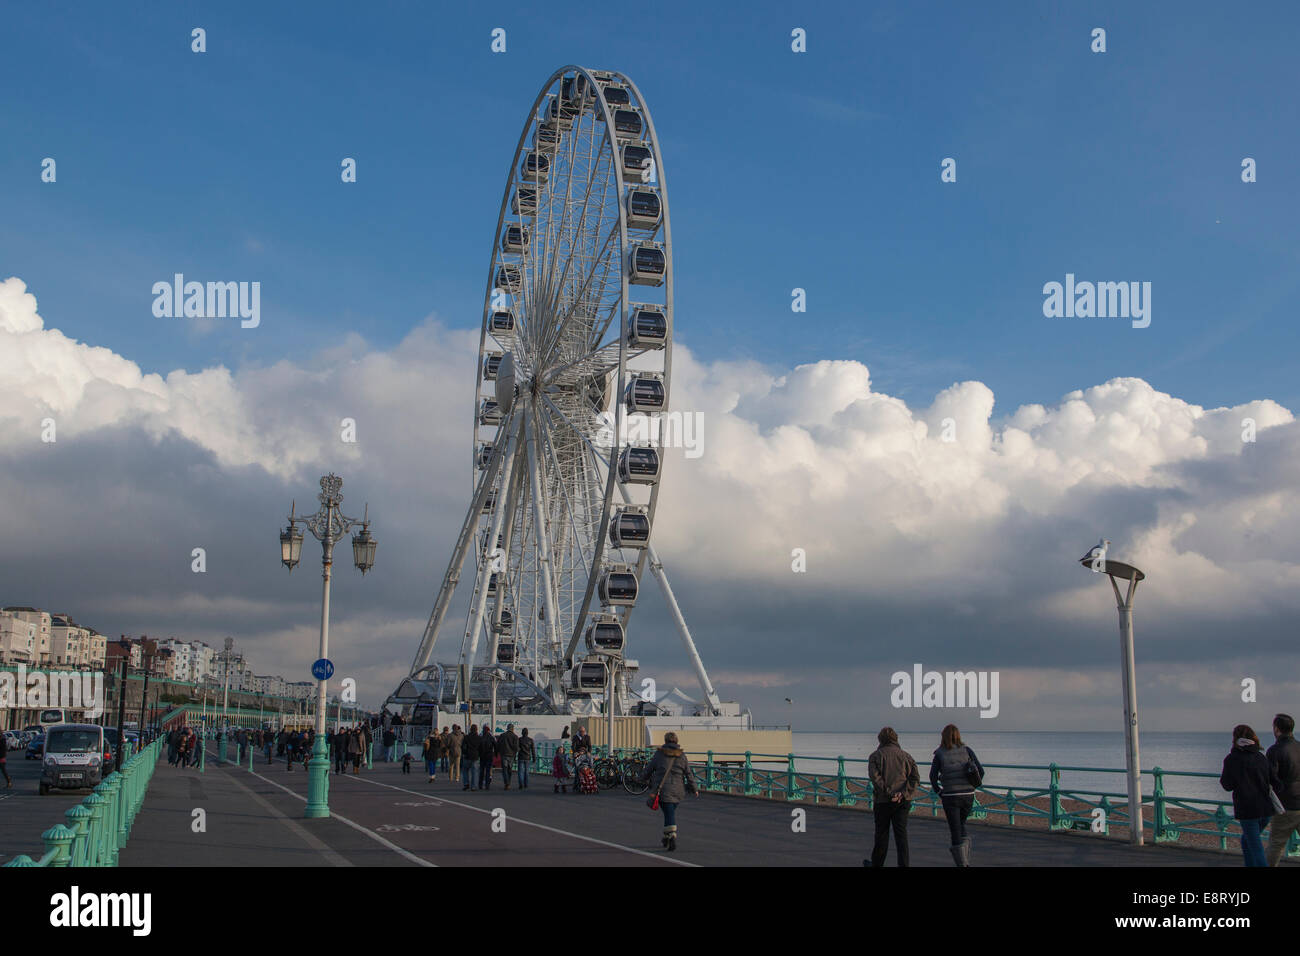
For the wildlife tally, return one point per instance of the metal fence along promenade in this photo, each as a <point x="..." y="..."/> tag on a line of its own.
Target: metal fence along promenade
<point x="98" y="827"/>
<point x="776" y="777"/>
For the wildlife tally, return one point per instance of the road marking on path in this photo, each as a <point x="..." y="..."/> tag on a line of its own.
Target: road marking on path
<point x="313" y="841"/>
<point x="419" y="860"/>
<point x="541" y="826"/>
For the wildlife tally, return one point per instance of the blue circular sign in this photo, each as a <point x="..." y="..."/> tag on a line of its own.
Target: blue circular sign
<point x="323" y="669"/>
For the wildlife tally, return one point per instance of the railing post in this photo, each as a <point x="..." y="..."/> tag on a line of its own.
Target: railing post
<point x="708" y="771"/>
<point x="749" y="772"/>
<point x="1163" y="822"/>
<point x="78" y="818"/>
<point x="789" y="776"/>
<point x="1054" y="809"/>
<point x="842" y="787"/>
<point x="1221" y="818"/>
<point x="1011" y="808"/>
<point x="96" y="803"/>
<point x="110" y="821"/>
<point x="59" y="839"/>
<point x="1105" y="814"/>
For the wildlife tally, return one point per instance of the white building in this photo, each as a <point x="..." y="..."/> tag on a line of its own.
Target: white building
<point x="18" y="641"/>
<point x="40" y="651"/>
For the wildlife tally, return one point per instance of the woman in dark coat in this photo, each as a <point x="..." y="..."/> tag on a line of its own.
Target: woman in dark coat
<point x="671" y="779"/>
<point x="1246" y="773"/>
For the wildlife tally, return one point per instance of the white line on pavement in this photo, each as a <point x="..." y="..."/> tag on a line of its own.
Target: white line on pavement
<point x="356" y="826"/>
<point x="541" y="826"/>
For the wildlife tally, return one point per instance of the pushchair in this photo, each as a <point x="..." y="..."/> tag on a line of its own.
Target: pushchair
<point x="584" y="778"/>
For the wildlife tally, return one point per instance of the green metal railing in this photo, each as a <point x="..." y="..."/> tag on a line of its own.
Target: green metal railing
<point x="98" y="827"/>
<point x="777" y="777"/>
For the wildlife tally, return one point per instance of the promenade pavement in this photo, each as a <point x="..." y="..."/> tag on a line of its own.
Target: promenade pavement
<point x="383" y="817"/>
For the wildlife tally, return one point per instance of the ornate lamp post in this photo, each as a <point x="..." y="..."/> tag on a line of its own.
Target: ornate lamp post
<point x="327" y="525"/>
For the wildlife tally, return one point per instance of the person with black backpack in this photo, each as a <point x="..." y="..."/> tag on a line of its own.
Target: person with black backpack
<point x="955" y="775"/>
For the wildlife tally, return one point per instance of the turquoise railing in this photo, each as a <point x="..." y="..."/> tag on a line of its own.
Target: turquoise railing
<point x="98" y="827"/>
<point x="776" y="777"/>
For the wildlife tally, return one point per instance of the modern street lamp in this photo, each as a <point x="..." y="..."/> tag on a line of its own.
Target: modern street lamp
<point x="1097" y="561"/>
<point x="327" y="525"/>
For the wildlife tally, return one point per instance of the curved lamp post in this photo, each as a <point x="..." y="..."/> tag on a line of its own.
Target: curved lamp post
<point x="327" y="525"/>
<point x="1097" y="561"/>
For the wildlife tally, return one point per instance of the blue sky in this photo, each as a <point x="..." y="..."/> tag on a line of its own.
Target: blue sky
<point x="818" y="170"/>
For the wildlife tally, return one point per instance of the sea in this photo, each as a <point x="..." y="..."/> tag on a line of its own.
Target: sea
<point x="1192" y="753"/>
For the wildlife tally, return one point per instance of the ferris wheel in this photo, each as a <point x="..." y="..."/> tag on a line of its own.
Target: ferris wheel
<point x="575" y="347"/>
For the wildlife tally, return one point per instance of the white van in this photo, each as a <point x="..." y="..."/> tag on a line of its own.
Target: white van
<point x="74" y="757"/>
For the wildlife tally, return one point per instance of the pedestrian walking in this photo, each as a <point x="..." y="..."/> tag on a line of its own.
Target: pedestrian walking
<point x="1284" y="762"/>
<point x="894" y="777"/>
<point x="432" y="744"/>
<point x="560" y="769"/>
<point x="469" y="758"/>
<point x="445" y="738"/>
<point x="173" y="739"/>
<point x="356" y="743"/>
<point x="671" y="779"/>
<point x="508" y="747"/>
<point x="487" y="751"/>
<point x="268" y="741"/>
<point x="4" y="762"/>
<point x="527" y="754"/>
<point x="955" y="773"/>
<point x="455" y="740"/>
<point x="390" y="742"/>
<point x="1249" y="777"/>
<point x="406" y="763"/>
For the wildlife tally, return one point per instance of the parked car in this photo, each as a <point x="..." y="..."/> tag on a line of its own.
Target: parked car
<point x="36" y="747"/>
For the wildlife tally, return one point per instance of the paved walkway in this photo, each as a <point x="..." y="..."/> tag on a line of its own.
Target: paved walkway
<point x="385" y="818"/>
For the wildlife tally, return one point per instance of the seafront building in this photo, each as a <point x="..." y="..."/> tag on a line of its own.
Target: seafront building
<point x="37" y="639"/>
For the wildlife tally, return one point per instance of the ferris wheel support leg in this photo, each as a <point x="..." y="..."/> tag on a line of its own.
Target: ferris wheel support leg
<point x="452" y="578"/>
<point x="485" y="567"/>
<point x="543" y="537"/>
<point x="657" y="568"/>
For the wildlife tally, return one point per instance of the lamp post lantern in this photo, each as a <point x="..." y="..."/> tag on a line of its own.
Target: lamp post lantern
<point x="327" y="525"/>
<point x="1097" y="561"/>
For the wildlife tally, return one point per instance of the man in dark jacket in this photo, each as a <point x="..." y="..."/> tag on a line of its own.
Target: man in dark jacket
<point x="894" y="777"/>
<point x="487" y="749"/>
<point x="1284" y="762"/>
<point x="508" y="747"/>
<point x="527" y="754"/>
<point x="390" y="740"/>
<point x="469" y="758"/>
